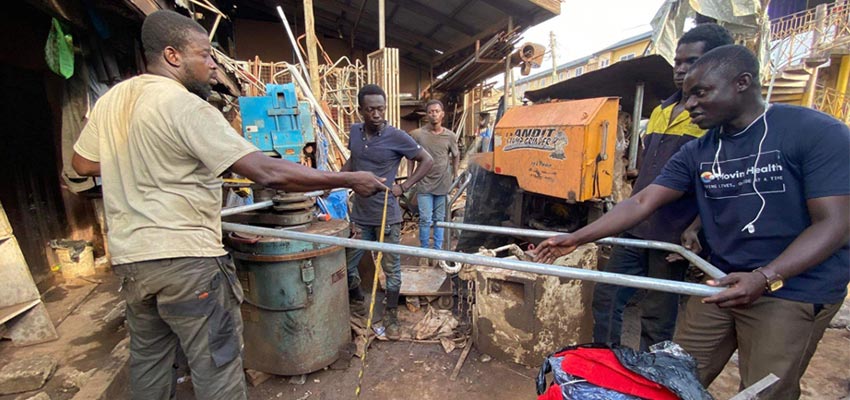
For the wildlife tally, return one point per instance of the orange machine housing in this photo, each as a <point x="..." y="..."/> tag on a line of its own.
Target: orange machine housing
<point x="563" y="149"/>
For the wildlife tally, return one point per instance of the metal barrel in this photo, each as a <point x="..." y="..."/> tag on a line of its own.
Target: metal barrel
<point x="703" y="265"/>
<point x="295" y="313"/>
<point x="640" y="282"/>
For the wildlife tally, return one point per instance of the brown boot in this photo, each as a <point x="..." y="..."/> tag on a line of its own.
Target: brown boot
<point x="391" y="323"/>
<point x="424" y="262"/>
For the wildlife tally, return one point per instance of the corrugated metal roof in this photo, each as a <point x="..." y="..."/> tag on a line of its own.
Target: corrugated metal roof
<point x="618" y="80"/>
<point x="431" y="33"/>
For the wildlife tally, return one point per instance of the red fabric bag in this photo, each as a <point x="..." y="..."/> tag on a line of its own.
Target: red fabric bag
<point x="600" y="367"/>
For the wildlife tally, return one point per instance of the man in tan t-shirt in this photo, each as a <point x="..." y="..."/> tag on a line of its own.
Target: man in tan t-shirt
<point x="160" y="149"/>
<point x="432" y="190"/>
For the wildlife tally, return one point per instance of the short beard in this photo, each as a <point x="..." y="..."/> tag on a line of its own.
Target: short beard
<point x="202" y="90"/>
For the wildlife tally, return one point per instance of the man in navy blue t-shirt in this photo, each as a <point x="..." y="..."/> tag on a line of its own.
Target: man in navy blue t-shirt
<point x="378" y="147"/>
<point x="772" y="185"/>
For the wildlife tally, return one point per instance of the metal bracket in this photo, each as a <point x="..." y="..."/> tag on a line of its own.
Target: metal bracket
<point x="603" y="154"/>
<point x="308" y="276"/>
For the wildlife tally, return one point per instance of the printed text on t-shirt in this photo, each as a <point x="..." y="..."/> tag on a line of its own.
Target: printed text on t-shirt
<point x="734" y="178"/>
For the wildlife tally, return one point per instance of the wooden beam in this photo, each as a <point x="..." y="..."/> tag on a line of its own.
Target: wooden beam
<point x="469" y="42"/>
<point x="312" y="51"/>
<point x="382" y="22"/>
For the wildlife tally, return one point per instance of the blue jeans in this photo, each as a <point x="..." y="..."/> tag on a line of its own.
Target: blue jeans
<point x="658" y="309"/>
<point x="432" y="208"/>
<point x="391" y="263"/>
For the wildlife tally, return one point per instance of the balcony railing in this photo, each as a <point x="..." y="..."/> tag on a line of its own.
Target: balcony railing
<point x="809" y="34"/>
<point x="832" y="102"/>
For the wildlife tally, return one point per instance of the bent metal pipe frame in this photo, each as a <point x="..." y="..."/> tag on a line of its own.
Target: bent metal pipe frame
<point x="639" y="282"/>
<point x="703" y="265"/>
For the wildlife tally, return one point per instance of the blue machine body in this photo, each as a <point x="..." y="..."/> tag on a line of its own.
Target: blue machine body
<point x="277" y="122"/>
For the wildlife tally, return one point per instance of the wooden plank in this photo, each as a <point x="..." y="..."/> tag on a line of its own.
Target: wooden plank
<point x="422" y="281"/>
<point x="553" y="6"/>
<point x="461" y="360"/>
<point x="16" y="285"/>
<point x="312" y="52"/>
<point x="32" y="327"/>
<point x="7" y="313"/>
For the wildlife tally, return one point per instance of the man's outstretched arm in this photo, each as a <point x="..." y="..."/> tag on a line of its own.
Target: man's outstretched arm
<point x="293" y="177"/>
<point x="623" y="216"/>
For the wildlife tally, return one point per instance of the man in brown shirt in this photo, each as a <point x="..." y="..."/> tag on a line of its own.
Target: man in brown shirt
<point x="161" y="149"/>
<point x="431" y="192"/>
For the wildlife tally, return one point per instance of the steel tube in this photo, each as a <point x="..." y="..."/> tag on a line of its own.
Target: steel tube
<point x="268" y="203"/>
<point x="250" y="207"/>
<point x="457" y="194"/>
<point x="292" y="39"/>
<point x="640" y="282"/>
<point x="703" y="265"/>
<point x="636" y="117"/>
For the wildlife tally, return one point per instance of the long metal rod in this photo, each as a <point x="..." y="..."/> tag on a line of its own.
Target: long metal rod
<point x="640" y="282"/>
<point x="268" y="203"/>
<point x="703" y="265"/>
<point x="292" y="39"/>
<point x="250" y="207"/>
<point x="459" y="192"/>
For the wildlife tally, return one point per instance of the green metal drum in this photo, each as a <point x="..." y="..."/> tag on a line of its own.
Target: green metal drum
<point x="296" y="300"/>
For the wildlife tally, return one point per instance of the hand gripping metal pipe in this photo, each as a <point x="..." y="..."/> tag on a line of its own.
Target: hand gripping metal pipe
<point x="268" y="203"/>
<point x="703" y="265"/>
<point x="640" y="282"/>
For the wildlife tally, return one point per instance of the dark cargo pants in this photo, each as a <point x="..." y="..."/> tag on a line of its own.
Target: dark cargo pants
<point x="194" y="301"/>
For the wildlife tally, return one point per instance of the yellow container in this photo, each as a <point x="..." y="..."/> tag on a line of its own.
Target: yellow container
<point x="562" y="149"/>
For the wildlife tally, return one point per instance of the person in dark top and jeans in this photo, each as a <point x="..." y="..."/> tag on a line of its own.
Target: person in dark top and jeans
<point x="378" y="147"/>
<point x="669" y="128"/>
<point x="772" y="186"/>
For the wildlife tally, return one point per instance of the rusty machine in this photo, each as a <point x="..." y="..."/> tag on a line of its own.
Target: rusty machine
<point x="560" y="162"/>
<point x="557" y="165"/>
<point x="295" y="308"/>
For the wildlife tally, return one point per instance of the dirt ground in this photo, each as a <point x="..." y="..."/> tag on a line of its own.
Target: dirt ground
<point x="394" y="370"/>
<point x="82" y="312"/>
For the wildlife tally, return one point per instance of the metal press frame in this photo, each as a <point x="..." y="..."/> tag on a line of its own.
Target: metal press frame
<point x="639" y="282"/>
